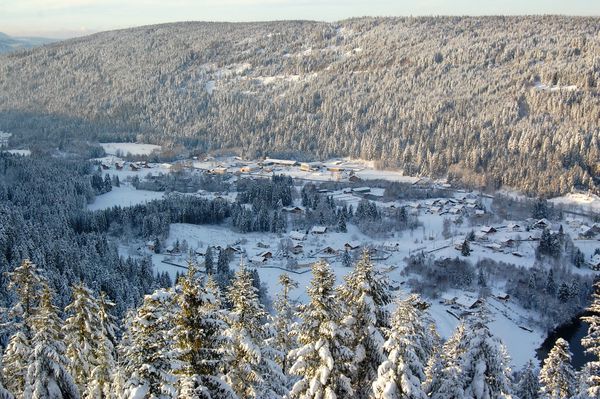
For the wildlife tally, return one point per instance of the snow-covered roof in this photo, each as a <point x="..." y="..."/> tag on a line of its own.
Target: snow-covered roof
<point x="318" y="229"/>
<point x="297" y="235"/>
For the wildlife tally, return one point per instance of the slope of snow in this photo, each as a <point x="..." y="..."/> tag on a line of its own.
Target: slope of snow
<point x="129" y="148"/>
<point x="126" y="195"/>
<point x="586" y="201"/>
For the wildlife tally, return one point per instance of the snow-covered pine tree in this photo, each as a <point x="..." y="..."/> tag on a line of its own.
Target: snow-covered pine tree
<point x="48" y="376"/>
<point x="149" y="355"/>
<point x="198" y="337"/>
<point x="528" y="386"/>
<point x="101" y="384"/>
<point x="557" y="377"/>
<point x="364" y="297"/>
<point x="484" y="364"/>
<point x="4" y="393"/>
<point x="284" y="340"/>
<point x="443" y="372"/>
<point x="81" y="330"/>
<point x="402" y="374"/>
<point x="26" y="282"/>
<point x="591" y="342"/>
<point x="252" y="371"/>
<point x="322" y="362"/>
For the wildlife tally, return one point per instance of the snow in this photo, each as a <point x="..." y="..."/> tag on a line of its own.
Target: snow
<point x="210" y="86"/>
<point x="129" y="148"/>
<point x="542" y="87"/>
<point x="24" y="153"/>
<point x="585" y="201"/>
<point x="125" y="195"/>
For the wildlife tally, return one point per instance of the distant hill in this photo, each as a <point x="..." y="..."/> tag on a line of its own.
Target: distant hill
<point x="9" y="43"/>
<point x="490" y="101"/>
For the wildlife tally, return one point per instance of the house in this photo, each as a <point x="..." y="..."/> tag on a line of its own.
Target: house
<point x="542" y="224"/>
<point x="258" y="259"/>
<point x="310" y="166"/>
<point x="503" y="296"/>
<point x="150" y="245"/>
<point x="514" y="227"/>
<point x="297" y="249"/>
<point x="361" y="190"/>
<point x="298" y="236"/>
<point x="249" y="168"/>
<point x="391" y="246"/>
<point x="134" y="167"/>
<point x="435" y="209"/>
<point x="280" y="162"/>
<point x="468" y="302"/>
<point x="105" y="166"/>
<point x="493" y="246"/>
<point x="200" y="252"/>
<point x="119" y="165"/>
<point x="328" y="251"/>
<point x="508" y="242"/>
<point x="170" y="249"/>
<point x="218" y="171"/>
<point x="354" y="179"/>
<point x="292" y="209"/>
<point x="266" y="254"/>
<point x="318" y="230"/>
<point x="586" y="232"/>
<point x="594" y="263"/>
<point x="350" y="245"/>
<point x="479" y="212"/>
<point x="262" y="245"/>
<point x="488" y="230"/>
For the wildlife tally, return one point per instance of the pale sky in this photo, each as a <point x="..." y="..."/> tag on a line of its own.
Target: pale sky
<point x="67" y="18"/>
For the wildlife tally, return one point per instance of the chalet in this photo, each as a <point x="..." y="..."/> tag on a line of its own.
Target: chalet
<point x="488" y="230"/>
<point x="170" y="249"/>
<point x="293" y="209"/>
<point x="467" y="302"/>
<point x="354" y="179"/>
<point x="200" y="252"/>
<point x="514" y="227"/>
<point x="134" y="167"/>
<point x="250" y="168"/>
<point x="262" y="245"/>
<point x="298" y="236"/>
<point x="266" y="254"/>
<point x="455" y="210"/>
<point x="361" y="190"/>
<point x="310" y="166"/>
<point x="328" y="251"/>
<point x="594" y="263"/>
<point x="297" y="249"/>
<point x="258" y="259"/>
<point x="105" y="166"/>
<point x="118" y="165"/>
<point x="586" y="232"/>
<point x="218" y="171"/>
<point x="502" y="296"/>
<point x="351" y="245"/>
<point x="150" y="245"/>
<point x="542" y="224"/>
<point x="391" y="246"/>
<point x="479" y="212"/>
<point x="435" y="209"/>
<point x="280" y="162"/>
<point x="318" y="230"/>
<point x="508" y="242"/>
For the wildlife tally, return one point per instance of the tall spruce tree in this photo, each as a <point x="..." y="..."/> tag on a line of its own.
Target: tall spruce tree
<point x="284" y="340"/>
<point x="197" y="334"/>
<point x="528" y="385"/>
<point x="557" y="377"/>
<point x="148" y="356"/>
<point x="26" y="282"/>
<point x="252" y="370"/>
<point x="323" y="361"/>
<point x="591" y="342"/>
<point x="48" y="376"/>
<point x="443" y="373"/>
<point x="364" y="297"/>
<point x="81" y="330"/>
<point x="402" y="374"/>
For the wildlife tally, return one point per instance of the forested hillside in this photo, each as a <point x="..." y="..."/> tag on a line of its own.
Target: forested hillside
<point x="509" y="101"/>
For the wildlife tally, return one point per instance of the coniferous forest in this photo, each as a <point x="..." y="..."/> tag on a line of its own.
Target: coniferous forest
<point x="487" y="101"/>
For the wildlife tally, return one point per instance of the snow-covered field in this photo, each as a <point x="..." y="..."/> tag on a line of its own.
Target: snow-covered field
<point x="129" y="148"/>
<point x="24" y="153"/>
<point x="126" y="195"/>
<point x="583" y="201"/>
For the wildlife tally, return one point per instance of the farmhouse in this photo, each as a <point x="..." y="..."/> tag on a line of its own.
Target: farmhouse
<point x="298" y="236"/>
<point x="488" y="229"/>
<point x="318" y="230"/>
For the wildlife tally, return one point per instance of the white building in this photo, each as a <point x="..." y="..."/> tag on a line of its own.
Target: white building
<point x="4" y="138"/>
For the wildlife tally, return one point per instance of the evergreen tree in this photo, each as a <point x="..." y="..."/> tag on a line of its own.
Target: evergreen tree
<point x="550" y="283"/>
<point x="591" y="342"/>
<point x="528" y="386"/>
<point x="208" y="261"/>
<point x="364" y="297"/>
<point x="284" y="340"/>
<point x="484" y="369"/>
<point x="466" y="248"/>
<point x="26" y="282"/>
<point x="322" y="362"/>
<point x="557" y="377"/>
<point x="47" y="375"/>
<point x="342" y="223"/>
<point x="443" y="373"/>
<point x="346" y="259"/>
<point x="401" y="376"/>
<point x="148" y="355"/>
<point x="102" y="384"/>
<point x="81" y="330"/>
<point x="252" y="372"/>
<point x="197" y="334"/>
